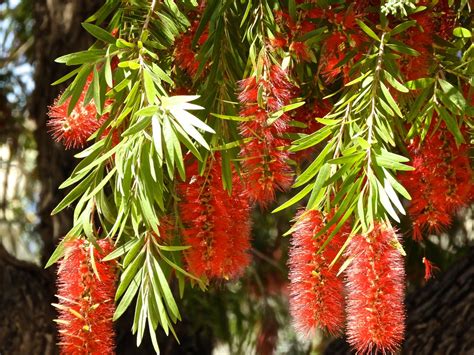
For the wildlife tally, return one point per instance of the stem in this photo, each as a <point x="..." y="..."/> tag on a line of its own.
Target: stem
<point x="370" y="120"/>
<point x="375" y="86"/>
<point x="148" y="16"/>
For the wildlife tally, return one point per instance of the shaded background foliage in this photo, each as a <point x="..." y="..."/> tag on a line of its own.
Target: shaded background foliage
<point x="245" y="315"/>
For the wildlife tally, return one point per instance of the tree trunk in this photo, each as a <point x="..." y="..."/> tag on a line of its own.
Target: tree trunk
<point x="440" y="315"/>
<point x="58" y="32"/>
<point x="27" y="291"/>
<point x="26" y="325"/>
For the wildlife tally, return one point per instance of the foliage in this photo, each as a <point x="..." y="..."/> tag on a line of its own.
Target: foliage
<point x="341" y="82"/>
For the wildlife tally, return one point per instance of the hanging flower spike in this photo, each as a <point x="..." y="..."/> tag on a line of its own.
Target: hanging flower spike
<point x="86" y="300"/>
<point x="73" y="130"/>
<point x="264" y="159"/>
<point x="441" y="183"/>
<point x="316" y="292"/>
<point x="216" y="225"/>
<point x="375" y="292"/>
<point x="429" y="268"/>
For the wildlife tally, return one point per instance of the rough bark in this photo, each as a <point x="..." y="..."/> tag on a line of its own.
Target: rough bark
<point x="26" y="314"/>
<point x="58" y="31"/>
<point x="440" y="315"/>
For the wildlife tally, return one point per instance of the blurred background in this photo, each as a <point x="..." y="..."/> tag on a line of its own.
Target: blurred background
<point x="249" y="316"/>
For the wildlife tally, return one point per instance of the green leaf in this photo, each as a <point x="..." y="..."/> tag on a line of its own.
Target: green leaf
<point x="388" y="163"/>
<point x="99" y="93"/>
<point x="320" y="181"/>
<point x="150" y="90"/>
<point x="168" y="296"/>
<point x="359" y="79"/>
<point x="173" y="248"/>
<point x="314" y="167"/>
<point x="391" y="101"/>
<point x="393" y="195"/>
<point x="81" y="57"/>
<point x="451" y="123"/>
<point x="98" y="161"/>
<point x="118" y="252"/>
<point x="462" y="32"/>
<point x="306" y="190"/>
<point x="348" y="159"/>
<point x="157" y="137"/>
<point x="74" y="194"/>
<point x="161" y="74"/>
<point x="99" y="33"/>
<point x="66" y="77"/>
<point x="185" y="118"/>
<point x="132" y="253"/>
<point x="231" y="118"/>
<point x="128" y="296"/>
<point x="292" y="9"/>
<point x="59" y="251"/>
<point x="130" y="274"/>
<point x="419" y="83"/>
<point x="403" y="48"/>
<point x="385" y="201"/>
<point x="394" y="82"/>
<point x="142" y="123"/>
<point x="396" y="185"/>
<point x="108" y="71"/>
<point x="311" y="140"/>
<point x="102" y="183"/>
<point x="369" y="32"/>
<point x="402" y="27"/>
<point x="453" y="94"/>
<point x="188" y="143"/>
<point x="147" y="111"/>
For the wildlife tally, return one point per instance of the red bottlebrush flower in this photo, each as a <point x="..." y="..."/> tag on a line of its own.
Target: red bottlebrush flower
<point x="429" y="268"/>
<point x="216" y="225"/>
<point x="86" y="300"/>
<point x="300" y="49"/>
<point x="185" y="55"/>
<point x="335" y="43"/>
<point x="441" y="183"/>
<point x="265" y="169"/>
<point x="419" y="38"/>
<point x="263" y="156"/>
<point x="375" y="292"/>
<point x="330" y="71"/>
<point x="74" y="129"/>
<point x="278" y="42"/>
<point x="316" y="292"/>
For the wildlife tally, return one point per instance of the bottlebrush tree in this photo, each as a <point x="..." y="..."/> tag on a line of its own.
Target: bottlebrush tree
<point x="191" y="112"/>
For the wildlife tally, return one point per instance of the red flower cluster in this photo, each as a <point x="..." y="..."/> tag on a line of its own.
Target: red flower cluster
<point x="216" y="225"/>
<point x="375" y="286"/>
<point x="185" y="55"/>
<point x="433" y="21"/>
<point x="345" y="36"/>
<point x="292" y="30"/>
<point x="74" y="129"/>
<point x="316" y="292"/>
<point x="86" y="300"/>
<point x="441" y="182"/>
<point x="264" y="160"/>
